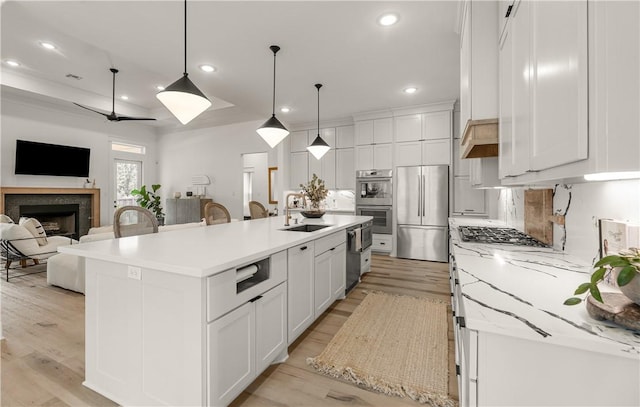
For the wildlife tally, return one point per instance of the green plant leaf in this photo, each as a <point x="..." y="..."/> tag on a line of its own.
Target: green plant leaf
<point x="155" y="187"/>
<point x="606" y="260"/>
<point x="582" y="288"/>
<point x="619" y="262"/>
<point x="626" y="275"/>
<point x="572" y="301"/>
<point x="595" y="292"/>
<point x="598" y="275"/>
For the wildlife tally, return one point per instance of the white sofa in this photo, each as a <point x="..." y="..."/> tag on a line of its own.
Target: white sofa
<point x="67" y="271"/>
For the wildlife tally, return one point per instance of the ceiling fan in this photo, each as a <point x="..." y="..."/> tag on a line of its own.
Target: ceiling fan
<point x="113" y="117"/>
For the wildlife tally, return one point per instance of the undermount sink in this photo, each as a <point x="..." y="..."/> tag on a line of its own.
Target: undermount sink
<point x="306" y="228"/>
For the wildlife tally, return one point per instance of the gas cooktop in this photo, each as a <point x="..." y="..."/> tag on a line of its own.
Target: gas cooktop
<point x="482" y="234"/>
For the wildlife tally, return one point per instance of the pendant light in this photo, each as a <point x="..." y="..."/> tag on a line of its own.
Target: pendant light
<point x="319" y="147"/>
<point x="183" y="99"/>
<point x="272" y="131"/>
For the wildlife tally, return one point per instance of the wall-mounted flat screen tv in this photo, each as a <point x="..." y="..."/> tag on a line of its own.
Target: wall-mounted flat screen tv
<point x="34" y="158"/>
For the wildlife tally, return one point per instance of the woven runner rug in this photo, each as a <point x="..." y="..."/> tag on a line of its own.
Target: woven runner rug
<point x="393" y="344"/>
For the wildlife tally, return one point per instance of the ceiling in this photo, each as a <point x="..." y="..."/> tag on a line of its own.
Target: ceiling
<point x="362" y="65"/>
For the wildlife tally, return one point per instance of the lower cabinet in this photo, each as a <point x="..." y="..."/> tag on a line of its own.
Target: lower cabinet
<point x="329" y="277"/>
<point x="300" y="286"/>
<point x="242" y="343"/>
<point x="381" y="243"/>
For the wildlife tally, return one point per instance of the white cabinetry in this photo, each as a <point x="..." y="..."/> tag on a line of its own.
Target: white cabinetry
<point x="374" y="131"/>
<point x="345" y="137"/>
<point x="298" y="172"/>
<point x="329" y="271"/>
<point x="381" y="243"/>
<point x="467" y="200"/>
<point x="271" y="326"/>
<point x="300" y="286"/>
<point x="299" y="141"/>
<point x="345" y="169"/>
<point x="324" y="168"/>
<point x="483" y="172"/>
<point x="374" y="144"/>
<point x="423" y="139"/>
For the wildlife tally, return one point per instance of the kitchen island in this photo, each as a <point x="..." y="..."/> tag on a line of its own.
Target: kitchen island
<point x="517" y="344"/>
<point x="192" y="316"/>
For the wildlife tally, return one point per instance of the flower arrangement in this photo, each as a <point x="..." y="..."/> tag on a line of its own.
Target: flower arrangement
<point x="315" y="191"/>
<point x="628" y="265"/>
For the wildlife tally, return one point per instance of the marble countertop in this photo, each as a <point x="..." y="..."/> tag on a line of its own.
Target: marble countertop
<point x="207" y="250"/>
<point x="519" y="291"/>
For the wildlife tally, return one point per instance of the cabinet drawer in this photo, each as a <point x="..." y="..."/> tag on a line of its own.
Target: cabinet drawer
<point x="365" y="261"/>
<point x="381" y="243"/>
<point x="329" y="242"/>
<point x="222" y="289"/>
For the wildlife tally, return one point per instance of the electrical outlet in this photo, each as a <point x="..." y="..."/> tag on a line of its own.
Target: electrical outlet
<point x="134" y="273"/>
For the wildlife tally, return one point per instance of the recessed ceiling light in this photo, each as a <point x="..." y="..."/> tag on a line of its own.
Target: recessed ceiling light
<point x="410" y="90"/>
<point x="207" y="68"/>
<point x="124" y="97"/>
<point x="160" y="87"/>
<point x="285" y="109"/>
<point x="388" y="19"/>
<point x="47" y="45"/>
<point x="11" y="62"/>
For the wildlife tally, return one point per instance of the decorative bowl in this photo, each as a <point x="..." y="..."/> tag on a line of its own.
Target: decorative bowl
<point x="312" y="214"/>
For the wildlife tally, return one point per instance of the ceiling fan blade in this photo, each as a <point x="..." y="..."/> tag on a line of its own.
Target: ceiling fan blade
<point x="121" y="118"/>
<point x="92" y="110"/>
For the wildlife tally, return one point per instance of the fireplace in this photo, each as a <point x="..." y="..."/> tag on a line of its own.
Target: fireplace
<point x="55" y="219"/>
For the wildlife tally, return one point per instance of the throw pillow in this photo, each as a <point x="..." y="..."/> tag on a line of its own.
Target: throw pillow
<point x="36" y="229"/>
<point x="5" y="219"/>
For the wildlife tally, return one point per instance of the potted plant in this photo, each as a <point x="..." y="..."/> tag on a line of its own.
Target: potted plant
<point x="627" y="267"/>
<point x="150" y="200"/>
<point x="315" y="191"/>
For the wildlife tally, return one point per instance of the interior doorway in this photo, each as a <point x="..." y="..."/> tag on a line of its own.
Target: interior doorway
<point x="255" y="178"/>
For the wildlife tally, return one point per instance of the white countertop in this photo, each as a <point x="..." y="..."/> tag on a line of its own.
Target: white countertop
<point x="519" y="291"/>
<point x="207" y="250"/>
<point x="327" y="210"/>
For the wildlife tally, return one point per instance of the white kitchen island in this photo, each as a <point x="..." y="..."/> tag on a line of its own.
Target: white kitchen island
<point x="192" y="316"/>
<point x="518" y="345"/>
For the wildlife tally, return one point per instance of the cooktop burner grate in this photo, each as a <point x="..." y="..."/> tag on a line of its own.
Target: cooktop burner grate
<point x="483" y="234"/>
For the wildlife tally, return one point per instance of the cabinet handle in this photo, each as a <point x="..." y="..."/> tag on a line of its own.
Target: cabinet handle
<point x="458" y="366"/>
<point x="366" y="260"/>
<point x="255" y="299"/>
<point x="469" y="210"/>
<point x="382" y="243"/>
<point x="508" y="11"/>
<point x="333" y="248"/>
<point x="303" y="248"/>
<point x="460" y="321"/>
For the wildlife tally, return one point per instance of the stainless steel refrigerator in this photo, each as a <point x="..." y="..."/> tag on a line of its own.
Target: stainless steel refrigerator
<point x="422" y="212"/>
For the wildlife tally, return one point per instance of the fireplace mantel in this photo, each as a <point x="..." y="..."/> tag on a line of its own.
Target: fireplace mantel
<point x="93" y="192"/>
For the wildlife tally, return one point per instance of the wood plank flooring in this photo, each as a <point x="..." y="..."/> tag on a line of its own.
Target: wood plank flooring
<point x="43" y="354"/>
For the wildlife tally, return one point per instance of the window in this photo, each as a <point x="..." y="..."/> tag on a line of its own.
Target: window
<point x="127" y="148"/>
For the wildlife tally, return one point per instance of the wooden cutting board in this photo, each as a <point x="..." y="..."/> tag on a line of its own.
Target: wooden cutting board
<point x="538" y="212"/>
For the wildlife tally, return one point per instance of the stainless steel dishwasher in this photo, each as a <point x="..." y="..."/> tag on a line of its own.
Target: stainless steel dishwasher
<point x="355" y="248"/>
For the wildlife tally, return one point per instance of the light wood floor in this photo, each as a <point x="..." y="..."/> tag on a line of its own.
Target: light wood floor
<point x="43" y="354"/>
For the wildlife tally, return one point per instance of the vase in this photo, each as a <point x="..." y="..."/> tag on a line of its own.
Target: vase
<point x="631" y="290"/>
<point x="314" y="213"/>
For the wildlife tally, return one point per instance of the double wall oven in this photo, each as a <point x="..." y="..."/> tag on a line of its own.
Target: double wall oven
<point x="374" y="198"/>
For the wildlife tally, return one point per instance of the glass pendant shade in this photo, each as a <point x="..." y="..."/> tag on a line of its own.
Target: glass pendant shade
<point x="319" y="147"/>
<point x="184" y="100"/>
<point x="272" y="131"/>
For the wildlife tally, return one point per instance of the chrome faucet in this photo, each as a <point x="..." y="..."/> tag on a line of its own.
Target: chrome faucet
<point x="286" y="206"/>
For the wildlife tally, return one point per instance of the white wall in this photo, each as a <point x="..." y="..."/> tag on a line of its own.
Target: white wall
<point x="587" y="202"/>
<point x="27" y="118"/>
<point x="216" y="152"/>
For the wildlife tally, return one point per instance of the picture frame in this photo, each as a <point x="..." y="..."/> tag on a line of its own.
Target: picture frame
<point x="272" y="185"/>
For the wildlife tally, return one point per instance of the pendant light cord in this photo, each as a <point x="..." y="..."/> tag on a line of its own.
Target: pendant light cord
<point x="318" y="86"/>
<point x="185" y="38"/>
<point x="113" y="93"/>
<point x="273" y="105"/>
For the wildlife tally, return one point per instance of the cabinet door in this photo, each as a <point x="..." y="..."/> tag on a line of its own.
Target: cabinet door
<point x="436" y="152"/>
<point x="383" y="156"/>
<point x="345" y="169"/>
<point x="560" y="111"/>
<point x="271" y="326"/>
<point x="364" y="157"/>
<point x="345" y="137"/>
<point x="467" y="200"/>
<point x="231" y="350"/>
<point x="299" y="170"/>
<point x="383" y="130"/>
<point x="300" y="289"/>
<point x="505" y="133"/>
<point x="408" y="128"/>
<point x="328" y="162"/>
<point x="299" y="141"/>
<point x="521" y="85"/>
<point x="322" y="283"/>
<point x="465" y="65"/>
<point x="364" y="132"/>
<point x="437" y="125"/>
<point x="315" y="165"/>
<point x="339" y="271"/>
<point x="408" y="153"/>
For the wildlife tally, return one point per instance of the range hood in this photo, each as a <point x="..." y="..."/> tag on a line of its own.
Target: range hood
<point x="480" y="139"/>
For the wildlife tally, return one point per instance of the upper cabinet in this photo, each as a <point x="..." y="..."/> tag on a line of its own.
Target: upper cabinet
<point x="374" y="131"/>
<point x="569" y="90"/>
<point x="479" y="79"/>
<point x="345" y="137"/>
